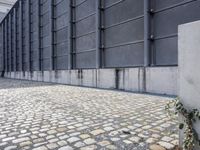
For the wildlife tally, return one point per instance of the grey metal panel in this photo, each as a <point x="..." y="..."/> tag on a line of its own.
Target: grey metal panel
<point x="14" y="41"/>
<point x="10" y="43"/>
<point x="61" y="7"/>
<point x="61" y="60"/>
<point x="85" y="43"/>
<point x="70" y="29"/>
<point x="28" y="35"/>
<point x="132" y="31"/>
<point x="6" y="43"/>
<point x="61" y="21"/>
<point x="38" y="32"/>
<point x="82" y="60"/>
<point x="18" y="37"/>
<point x="86" y="26"/>
<point x="45" y="36"/>
<point x="160" y="4"/>
<point x="78" y="2"/>
<point x="34" y="35"/>
<point x="85" y="9"/>
<point x="111" y="2"/>
<point x="51" y="31"/>
<point x="93" y="33"/>
<point x="86" y="34"/>
<point x="1" y="47"/>
<point x="166" y="22"/>
<point x="61" y="49"/>
<point x="125" y="56"/>
<point x="166" y="51"/>
<point x="123" y="11"/>
<point x="61" y="35"/>
<point x="24" y="37"/>
<point x="12" y="35"/>
<point x="124" y="33"/>
<point x="168" y="15"/>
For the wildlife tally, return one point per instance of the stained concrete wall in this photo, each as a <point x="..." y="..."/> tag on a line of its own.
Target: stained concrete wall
<point x="159" y="80"/>
<point x="162" y="80"/>
<point x="189" y="67"/>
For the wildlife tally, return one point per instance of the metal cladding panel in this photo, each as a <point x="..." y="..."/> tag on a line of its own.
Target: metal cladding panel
<point x="119" y="11"/>
<point x="83" y="57"/>
<point x="35" y="35"/>
<point x="13" y="55"/>
<point x="124" y="33"/>
<point x="86" y="43"/>
<point x="34" y="49"/>
<point x="133" y="53"/>
<point x="25" y="38"/>
<point x="166" y="51"/>
<point x="160" y="4"/>
<point x="61" y="27"/>
<point x="85" y="34"/>
<point x="45" y="38"/>
<point x="8" y="44"/>
<point x="165" y="27"/>
<point x="1" y="48"/>
<point x="14" y="33"/>
<point x="18" y="39"/>
<point x="64" y="34"/>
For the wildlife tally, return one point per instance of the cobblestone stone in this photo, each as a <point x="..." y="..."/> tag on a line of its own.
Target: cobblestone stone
<point x="8" y="139"/>
<point x="166" y="145"/>
<point x="156" y="147"/>
<point x="19" y="140"/>
<point x="10" y="148"/>
<point x="89" y="141"/>
<point x="66" y="148"/>
<point x="23" y="144"/>
<point x="52" y="146"/>
<point x="44" y="116"/>
<point x="40" y="148"/>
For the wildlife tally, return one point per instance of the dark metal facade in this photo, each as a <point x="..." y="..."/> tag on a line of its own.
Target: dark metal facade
<point x="60" y="40"/>
<point x="42" y="35"/>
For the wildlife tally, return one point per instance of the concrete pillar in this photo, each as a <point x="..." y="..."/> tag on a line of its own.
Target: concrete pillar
<point x="189" y="67"/>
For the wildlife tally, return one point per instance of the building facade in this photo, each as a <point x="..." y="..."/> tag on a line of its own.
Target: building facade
<point x="120" y="44"/>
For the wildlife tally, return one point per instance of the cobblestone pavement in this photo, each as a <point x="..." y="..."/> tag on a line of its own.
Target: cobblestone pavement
<point x="43" y="116"/>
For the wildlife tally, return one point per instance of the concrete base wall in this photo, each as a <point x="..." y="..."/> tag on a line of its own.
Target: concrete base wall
<point x="189" y="68"/>
<point x="159" y="80"/>
<point x="162" y="80"/>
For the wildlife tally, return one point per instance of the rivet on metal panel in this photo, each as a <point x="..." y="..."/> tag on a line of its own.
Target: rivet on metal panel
<point x="151" y="11"/>
<point x="152" y="37"/>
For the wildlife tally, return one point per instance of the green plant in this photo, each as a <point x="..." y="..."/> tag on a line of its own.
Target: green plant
<point x="189" y="118"/>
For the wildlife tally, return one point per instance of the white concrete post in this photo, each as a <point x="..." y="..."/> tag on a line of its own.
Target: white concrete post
<point x="189" y="67"/>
